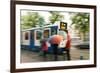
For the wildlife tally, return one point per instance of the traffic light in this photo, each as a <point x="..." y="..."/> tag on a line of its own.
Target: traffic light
<point x="63" y="25"/>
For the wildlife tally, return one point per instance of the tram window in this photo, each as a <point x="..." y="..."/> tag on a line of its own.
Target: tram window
<point x="53" y="31"/>
<point x="46" y="33"/>
<point x="26" y="35"/>
<point x="38" y="35"/>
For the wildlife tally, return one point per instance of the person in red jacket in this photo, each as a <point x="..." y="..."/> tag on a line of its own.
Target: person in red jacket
<point x="44" y="47"/>
<point x="68" y="45"/>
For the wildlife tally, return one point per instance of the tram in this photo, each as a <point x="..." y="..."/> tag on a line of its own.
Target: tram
<point x="30" y="38"/>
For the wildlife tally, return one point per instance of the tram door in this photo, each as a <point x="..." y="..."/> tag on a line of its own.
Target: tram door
<point x="47" y="34"/>
<point x="37" y="37"/>
<point x="25" y="38"/>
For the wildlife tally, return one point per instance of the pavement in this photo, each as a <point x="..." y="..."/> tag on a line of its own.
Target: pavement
<point x="76" y="54"/>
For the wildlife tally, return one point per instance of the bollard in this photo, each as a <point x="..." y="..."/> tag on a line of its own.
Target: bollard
<point x="64" y="55"/>
<point x="81" y="57"/>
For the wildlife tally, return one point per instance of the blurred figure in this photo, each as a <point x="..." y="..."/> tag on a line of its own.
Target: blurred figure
<point x="55" y="41"/>
<point x="68" y="45"/>
<point x="55" y="51"/>
<point x="44" y="47"/>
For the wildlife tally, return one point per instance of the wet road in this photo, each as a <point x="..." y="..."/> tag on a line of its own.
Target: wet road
<point x="29" y="56"/>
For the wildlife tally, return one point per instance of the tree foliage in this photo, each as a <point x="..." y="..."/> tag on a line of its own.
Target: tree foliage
<point x="81" y="22"/>
<point x="31" y="19"/>
<point x="55" y="16"/>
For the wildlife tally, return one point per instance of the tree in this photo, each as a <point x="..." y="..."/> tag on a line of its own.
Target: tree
<point x="31" y="19"/>
<point x="41" y="21"/>
<point x="55" y="16"/>
<point x="81" y="23"/>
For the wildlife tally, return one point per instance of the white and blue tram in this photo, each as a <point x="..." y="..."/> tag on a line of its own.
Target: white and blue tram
<point x="30" y="38"/>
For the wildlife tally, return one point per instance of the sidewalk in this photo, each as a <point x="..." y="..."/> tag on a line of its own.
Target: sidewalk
<point x="29" y="56"/>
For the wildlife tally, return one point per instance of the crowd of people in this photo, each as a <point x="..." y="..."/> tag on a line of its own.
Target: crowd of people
<point x="44" y="48"/>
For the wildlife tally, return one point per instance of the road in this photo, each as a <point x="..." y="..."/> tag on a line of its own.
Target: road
<point x="29" y="56"/>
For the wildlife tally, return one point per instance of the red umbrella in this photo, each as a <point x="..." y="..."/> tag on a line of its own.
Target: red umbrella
<point x="55" y="39"/>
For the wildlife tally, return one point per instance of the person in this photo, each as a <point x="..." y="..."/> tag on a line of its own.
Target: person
<point x="44" y="49"/>
<point x="55" y="51"/>
<point x="68" y="45"/>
